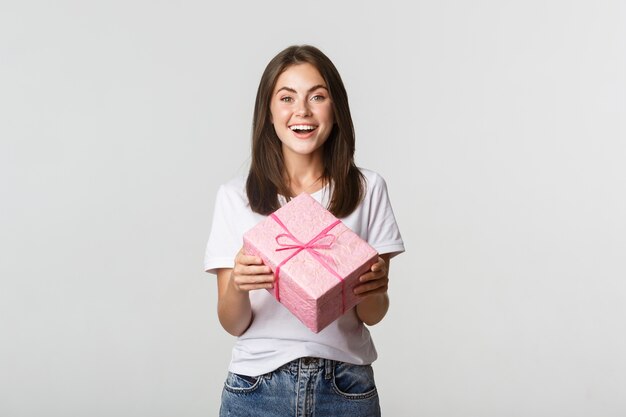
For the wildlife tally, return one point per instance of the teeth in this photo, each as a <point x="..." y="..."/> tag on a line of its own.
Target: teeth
<point x="301" y="127"/>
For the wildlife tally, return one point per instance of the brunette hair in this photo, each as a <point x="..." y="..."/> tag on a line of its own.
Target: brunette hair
<point x="266" y="178"/>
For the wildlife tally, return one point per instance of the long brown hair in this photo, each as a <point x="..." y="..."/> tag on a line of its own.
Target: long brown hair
<point x="266" y="178"/>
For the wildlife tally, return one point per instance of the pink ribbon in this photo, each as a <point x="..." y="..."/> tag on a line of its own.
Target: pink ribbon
<point x="311" y="247"/>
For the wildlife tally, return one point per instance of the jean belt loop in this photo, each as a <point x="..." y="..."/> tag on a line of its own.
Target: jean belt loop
<point x="328" y="368"/>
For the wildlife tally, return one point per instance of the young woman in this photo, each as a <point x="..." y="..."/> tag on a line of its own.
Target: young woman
<point x="302" y="141"/>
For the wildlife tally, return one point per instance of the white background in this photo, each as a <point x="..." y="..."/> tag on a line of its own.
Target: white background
<point x="500" y="127"/>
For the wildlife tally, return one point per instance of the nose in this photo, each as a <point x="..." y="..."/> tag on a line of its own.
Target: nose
<point x="303" y="109"/>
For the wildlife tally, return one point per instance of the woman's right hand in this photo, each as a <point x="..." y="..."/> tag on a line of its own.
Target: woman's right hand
<point x="234" y="284"/>
<point x="250" y="273"/>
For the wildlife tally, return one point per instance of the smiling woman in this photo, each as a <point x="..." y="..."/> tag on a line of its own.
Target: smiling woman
<point x="306" y="80"/>
<point x="303" y="141"/>
<point x="302" y="115"/>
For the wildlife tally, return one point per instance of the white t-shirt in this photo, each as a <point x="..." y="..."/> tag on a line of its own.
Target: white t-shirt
<point x="275" y="336"/>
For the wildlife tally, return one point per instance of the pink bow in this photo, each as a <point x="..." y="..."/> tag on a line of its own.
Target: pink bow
<point x="311" y="247"/>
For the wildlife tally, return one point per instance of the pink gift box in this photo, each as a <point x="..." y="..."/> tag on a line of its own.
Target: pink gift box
<point x="317" y="260"/>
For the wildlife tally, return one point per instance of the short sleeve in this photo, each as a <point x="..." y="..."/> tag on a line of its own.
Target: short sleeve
<point x="383" y="231"/>
<point x="225" y="238"/>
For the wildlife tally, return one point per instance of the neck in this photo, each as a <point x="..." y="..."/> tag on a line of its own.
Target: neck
<point x="304" y="173"/>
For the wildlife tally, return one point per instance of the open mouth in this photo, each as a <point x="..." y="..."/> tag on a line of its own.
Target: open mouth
<point x="302" y="129"/>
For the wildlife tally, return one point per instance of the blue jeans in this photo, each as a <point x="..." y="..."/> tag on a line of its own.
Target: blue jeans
<point x="303" y="387"/>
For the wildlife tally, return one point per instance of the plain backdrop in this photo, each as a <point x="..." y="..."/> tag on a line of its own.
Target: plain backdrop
<point x="500" y="127"/>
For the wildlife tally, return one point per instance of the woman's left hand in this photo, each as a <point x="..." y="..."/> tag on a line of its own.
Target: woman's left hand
<point x="375" y="281"/>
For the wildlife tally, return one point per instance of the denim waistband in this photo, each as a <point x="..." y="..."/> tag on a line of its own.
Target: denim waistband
<point x="310" y="364"/>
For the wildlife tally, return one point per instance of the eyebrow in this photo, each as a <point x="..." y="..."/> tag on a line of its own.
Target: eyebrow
<point x="292" y="90"/>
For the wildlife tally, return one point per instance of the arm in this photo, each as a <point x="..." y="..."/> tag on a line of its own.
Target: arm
<point x="373" y="289"/>
<point x="233" y="287"/>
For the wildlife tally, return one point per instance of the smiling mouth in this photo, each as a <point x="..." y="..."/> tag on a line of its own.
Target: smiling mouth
<point x="300" y="129"/>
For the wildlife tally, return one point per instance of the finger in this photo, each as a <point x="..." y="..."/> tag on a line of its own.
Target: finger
<point x="379" y="265"/>
<point x="371" y="287"/>
<point x="251" y="287"/>
<point x="249" y="259"/>
<point x="256" y="286"/>
<point x="256" y="270"/>
<point x="253" y="270"/>
<point x="370" y="276"/>
<point x="253" y="279"/>
<point x="379" y="290"/>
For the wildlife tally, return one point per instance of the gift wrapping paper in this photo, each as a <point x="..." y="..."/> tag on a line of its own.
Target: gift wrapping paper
<point x="316" y="260"/>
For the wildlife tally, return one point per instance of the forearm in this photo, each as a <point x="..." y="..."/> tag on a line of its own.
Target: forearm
<point x="233" y="307"/>
<point x="373" y="308"/>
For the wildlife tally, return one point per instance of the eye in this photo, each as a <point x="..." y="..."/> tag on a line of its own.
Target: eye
<point x="318" y="97"/>
<point x="286" y="99"/>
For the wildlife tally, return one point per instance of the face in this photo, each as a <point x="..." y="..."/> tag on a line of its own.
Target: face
<point x="301" y="110"/>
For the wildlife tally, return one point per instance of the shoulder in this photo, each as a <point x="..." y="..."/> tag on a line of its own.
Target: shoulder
<point x="235" y="187"/>
<point x="373" y="180"/>
<point x="233" y="193"/>
<point x="232" y="210"/>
